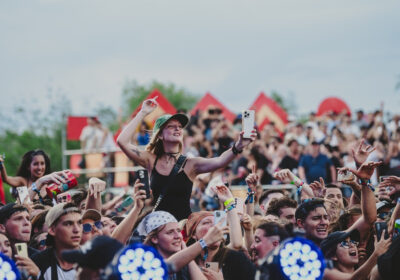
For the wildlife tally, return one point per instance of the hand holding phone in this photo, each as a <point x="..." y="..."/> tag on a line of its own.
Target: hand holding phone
<point x="22" y="249"/>
<point x="212" y="265"/>
<point x="144" y="179"/>
<point x="248" y="118"/>
<point x="23" y="195"/>
<point x="381" y="227"/>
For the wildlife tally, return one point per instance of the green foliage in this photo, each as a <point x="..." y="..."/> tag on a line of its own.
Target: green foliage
<point x="287" y="103"/>
<point x="133" y="94"/>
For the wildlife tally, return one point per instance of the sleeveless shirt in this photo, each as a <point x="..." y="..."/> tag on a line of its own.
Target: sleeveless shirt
<point x="176" y="199"/>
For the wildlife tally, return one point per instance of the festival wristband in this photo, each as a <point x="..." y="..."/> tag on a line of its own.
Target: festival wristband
<point x="235" y="151"/>
<point x="229" y="201"/>
<point x="232" y="206"/>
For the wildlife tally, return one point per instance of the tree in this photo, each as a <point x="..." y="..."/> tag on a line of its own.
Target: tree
<point x="133" y="94"/>
<point x="287" y="103"/>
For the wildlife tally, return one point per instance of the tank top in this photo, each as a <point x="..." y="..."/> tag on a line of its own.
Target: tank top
<point x="176" y="199"/>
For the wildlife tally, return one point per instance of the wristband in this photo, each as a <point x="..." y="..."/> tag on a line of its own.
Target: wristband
<point x="34" y="187"/>
<point x="250" y="196"/>
<point x="235" y="151"/>
<point x="364" y="181"/>
<point x="204" y="247"/>
<point x="398" y="200"/>
<point x="229" y="201"/>
<point x="230" y="208"/>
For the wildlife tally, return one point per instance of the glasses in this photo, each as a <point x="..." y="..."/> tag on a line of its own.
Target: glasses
<point x="89" y="227"/>
<point x="346" y="244"/>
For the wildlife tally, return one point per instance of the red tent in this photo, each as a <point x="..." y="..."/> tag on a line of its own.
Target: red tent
<point x="209" y="100"/>
<point x="267" y="110"/>
<point x="333" y="104"/>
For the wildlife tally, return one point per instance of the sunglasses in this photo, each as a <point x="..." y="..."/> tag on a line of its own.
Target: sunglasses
<point x="346" y="244"/>
<point x="42" y="242"/>
<point x="89" y="227"/>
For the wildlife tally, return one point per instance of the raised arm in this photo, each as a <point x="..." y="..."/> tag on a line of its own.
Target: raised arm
<point x="368" y="206"/>
<point x="123" y="231"/>
<point x="287" y="177"/>
<point x="124" y="139"/>
<point x="203" y="165"/>
<point x="17" y="181"/>
<point x="235" y="232"/>
<point x="93" y="200"/>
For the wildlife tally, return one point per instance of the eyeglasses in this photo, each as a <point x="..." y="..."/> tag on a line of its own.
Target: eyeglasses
<point x="346" y="244"/>
<point x="89" y="227"/>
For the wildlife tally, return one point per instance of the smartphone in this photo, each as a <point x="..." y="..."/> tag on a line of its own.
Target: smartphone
<point x="345" y="176"/>
<point x="218" y="216"/>
<point x="128" y="201"/>
<point x="381" y="178"/>
<point x="64" y="197"/>
<point x="22" y="249"/>
<point x="144" y="179"/>
<point x="23" y="194"/>
<point x="212" y="265"/>
<point x="380" y="227"/>
<point x="248" y="122"/>
<point x="240" y="205"/>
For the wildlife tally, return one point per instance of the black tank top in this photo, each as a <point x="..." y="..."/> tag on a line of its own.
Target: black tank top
<point x="176" y="199"/>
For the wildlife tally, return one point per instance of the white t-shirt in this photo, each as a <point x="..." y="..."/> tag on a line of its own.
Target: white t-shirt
<point x="61" y="273"/>
<point x="92" y="136"/>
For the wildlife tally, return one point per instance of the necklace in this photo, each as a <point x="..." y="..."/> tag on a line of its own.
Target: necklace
<point x="171" y="155"/>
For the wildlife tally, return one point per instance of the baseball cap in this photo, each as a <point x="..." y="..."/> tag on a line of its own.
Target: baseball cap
<point x="91" y="214"/>
<point x="95" y="254"/>
<point x="336" y="237"/>
<point x="182" y="118"/>
<point x="59" y="210"/>
<point x="7" y="210"/>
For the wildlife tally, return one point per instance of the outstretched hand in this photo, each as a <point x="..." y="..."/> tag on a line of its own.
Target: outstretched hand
<point x="222" y="192"/>
<point x="149" y="105"/>
<point x="243" y="142"/>
<point x="318" y="187"/>
<point x="391" y="181"/>
<point x="96" y="186"/>
<point x="362" y="151"/>
<point x="285" y="176"/>
<point x="252" y="179"/>
<point x="366" y="170"/>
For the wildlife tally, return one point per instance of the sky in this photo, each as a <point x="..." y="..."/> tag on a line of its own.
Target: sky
<point x="305" y="50"/>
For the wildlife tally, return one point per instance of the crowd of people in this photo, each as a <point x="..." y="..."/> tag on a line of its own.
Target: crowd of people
<point x="346" y="173"/>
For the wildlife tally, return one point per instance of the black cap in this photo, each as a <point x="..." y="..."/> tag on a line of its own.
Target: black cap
<point x="95" y="254"/>
<point x="7" y="210"/>
<point x="336" y="237"/>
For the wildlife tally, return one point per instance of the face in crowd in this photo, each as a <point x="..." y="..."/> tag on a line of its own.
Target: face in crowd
<point x="37" y="167"/>
<point x="265" y="203"/>
<point x="5" y="246"/>
<point x="263" y="244"/>
<point x="346" y="253"/>
<point x="168" y="240"/>
<point x="315" y="225"/>
<point x="90" y="229"/>
<point x="18" y="227"/>
<point x="67" y="231"/>
<point x="335" y="195"/>
<point x="172" y="132"/>
<point x="108" y="225"/>
<point x="202" y="228"/>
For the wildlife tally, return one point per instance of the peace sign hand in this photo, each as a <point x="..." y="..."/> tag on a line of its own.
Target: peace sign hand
<point x="252" y="179"/>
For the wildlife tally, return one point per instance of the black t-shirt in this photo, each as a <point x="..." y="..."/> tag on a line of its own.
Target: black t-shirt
<point x="236" y="266"/>
<point x="289" y="163"/>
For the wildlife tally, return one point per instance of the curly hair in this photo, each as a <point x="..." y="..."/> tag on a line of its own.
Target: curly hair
<point x="275" y="206"/>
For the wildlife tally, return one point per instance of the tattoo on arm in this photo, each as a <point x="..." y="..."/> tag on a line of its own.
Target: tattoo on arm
<point x="136" y="152"/>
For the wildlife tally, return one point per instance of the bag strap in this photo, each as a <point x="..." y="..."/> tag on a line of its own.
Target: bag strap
<point x="171" y="175"/>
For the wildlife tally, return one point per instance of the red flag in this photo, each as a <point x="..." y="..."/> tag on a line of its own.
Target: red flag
<point x="267" y="111"/>
<point x="2" y="196"/>
<point x="209" y="100"/>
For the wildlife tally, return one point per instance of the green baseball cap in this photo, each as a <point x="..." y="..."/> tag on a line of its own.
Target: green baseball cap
<point x="182" y="118"/>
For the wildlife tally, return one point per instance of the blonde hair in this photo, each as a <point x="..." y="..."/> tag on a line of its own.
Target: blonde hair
<point x="151" y="235"/>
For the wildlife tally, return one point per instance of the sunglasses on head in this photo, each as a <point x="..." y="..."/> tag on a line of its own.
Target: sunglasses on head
<point x="346" y="244"/>
<point x="89" y="227"/>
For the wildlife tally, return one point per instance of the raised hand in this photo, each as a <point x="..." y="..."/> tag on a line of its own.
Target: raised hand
<point x="361" y="153"/>
<point x="149" y="105"/>
<point x="222" y="192"/>
<point x="245" y="221"/>
<point x="139" y="195"/>
<point x="286" y="176"/>
<point x="96" y="186"/>
<point x="243" y="142"/>
<point x="252" y="179"/>
<point x="318" y="187"/>
<point x="55" y="177"/>
<point x="391" y="181"/>
<point x="382" y="245"/>
<point x="216" y="233"/>
<point x="366" y="170"/>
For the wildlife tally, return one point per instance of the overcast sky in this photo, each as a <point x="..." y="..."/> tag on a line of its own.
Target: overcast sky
<point x="234" y="49"/>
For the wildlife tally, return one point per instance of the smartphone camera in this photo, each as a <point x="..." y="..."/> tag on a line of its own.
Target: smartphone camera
<point x="246" y="114"/>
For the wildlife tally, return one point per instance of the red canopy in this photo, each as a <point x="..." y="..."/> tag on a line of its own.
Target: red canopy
<point x="333" y="104"/>
<point x="267" y="111"/>
<point x="209" y="100"/>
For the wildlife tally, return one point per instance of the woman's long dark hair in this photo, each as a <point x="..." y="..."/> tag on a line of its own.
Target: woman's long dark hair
<point x="23" y="169"/>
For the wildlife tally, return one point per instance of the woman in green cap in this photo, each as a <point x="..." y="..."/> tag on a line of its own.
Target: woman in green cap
<point x="163" y="153"/>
